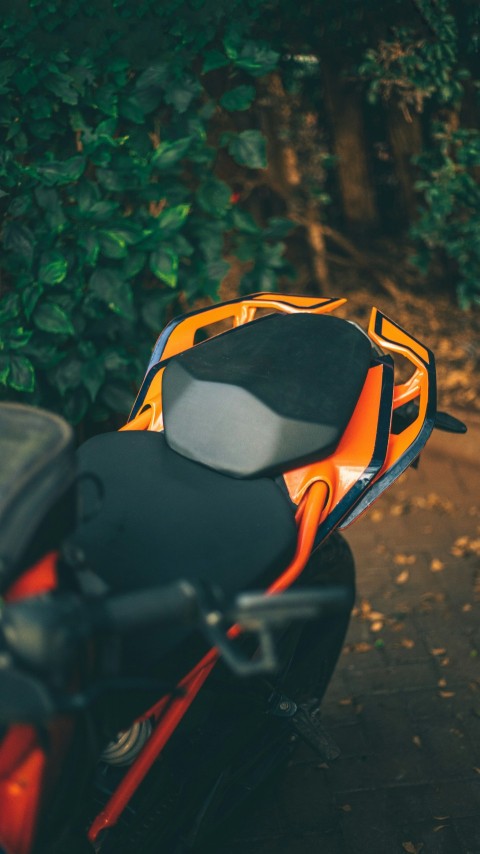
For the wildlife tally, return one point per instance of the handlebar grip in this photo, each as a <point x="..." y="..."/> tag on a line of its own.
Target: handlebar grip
<point x="163" y="605"/>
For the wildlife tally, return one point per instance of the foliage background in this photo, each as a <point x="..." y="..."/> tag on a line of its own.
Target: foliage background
<point x="149" y="152"/>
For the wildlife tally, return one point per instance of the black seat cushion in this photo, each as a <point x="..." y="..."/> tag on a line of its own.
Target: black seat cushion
<point x="152" y="516"/>
<point x="268" y="396"/>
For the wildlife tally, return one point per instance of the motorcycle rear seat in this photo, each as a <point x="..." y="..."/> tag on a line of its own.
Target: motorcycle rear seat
<point x="268" y="396"/>
<point x="37" y="468"/>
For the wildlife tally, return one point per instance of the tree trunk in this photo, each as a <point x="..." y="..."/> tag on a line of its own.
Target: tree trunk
<point x="405" y="141"/>
<point x="283" y="176"/>
<point x="346" y="118"/>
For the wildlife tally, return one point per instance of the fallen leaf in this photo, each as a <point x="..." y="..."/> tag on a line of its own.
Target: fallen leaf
<point x="346" y="808"/>
<point x="417" y="741"/>
<point x="407" y="643"/>
<point x="441" y="817"/>
<point x="439" y="650"/>
<point x="442" y="683"/>
<point x="445" y="662"/>
<point x="325" y="766"/>
<point x="377" y="626"/>
<point x="376" y="615"/>
<point x="411" y="848"/>
<point x="437" y="565"/>
<point x="365" y="607"/>
<point x="403" y="577"/>
<point x="347" y="701"/>
<point x="446" y="694"/>
<point x="361" y="647"/>
<point x="404" y="560"/>
<point x="376" y="516"/>
<point x="397" y="509"/>
<point x="477" y="770"/>
<point x="467" y="607"/>
<point x="439" y="827"/>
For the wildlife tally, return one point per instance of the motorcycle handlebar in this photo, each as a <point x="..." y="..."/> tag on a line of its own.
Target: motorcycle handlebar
<point x="42" y="636"/>
<point x="176" y="602"/>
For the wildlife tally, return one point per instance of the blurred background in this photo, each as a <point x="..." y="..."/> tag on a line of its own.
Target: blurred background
<point x="156" y="156"/>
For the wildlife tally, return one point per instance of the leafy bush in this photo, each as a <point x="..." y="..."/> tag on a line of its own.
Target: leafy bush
<point x="114" y="118"/>
<point x="449" y="222"/>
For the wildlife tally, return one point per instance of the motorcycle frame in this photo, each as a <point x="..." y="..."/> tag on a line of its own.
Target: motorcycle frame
<point x="327" y="494"/>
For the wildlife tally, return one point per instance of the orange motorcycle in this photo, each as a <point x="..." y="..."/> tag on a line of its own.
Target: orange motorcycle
<point x="175" y="595"/>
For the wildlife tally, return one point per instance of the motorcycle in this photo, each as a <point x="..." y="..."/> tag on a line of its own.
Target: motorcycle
<point x="176" y="594"/>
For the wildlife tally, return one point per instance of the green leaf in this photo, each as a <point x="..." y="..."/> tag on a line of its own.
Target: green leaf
<point x="181" y="93"/>
<point x="244" y="222"/>
<point x="30" y="296"/>
<point x="75" y="405"/>
<point x="93" y="376"/>
<point x="89" y="241"/>
<point x="257" y="59"/>
<point x="134" y="263"/>
<point x="9" y="307"/>
<point x="171" y="219"/>
<point x="19" y="206"/>
<point x="26" y="80"/>
<point x="53" y="268"/>
<point x="7" y="70"/>
<point x="112" y="289"/>
<point x="154" y="75"/>
<point x="214" y="59"/>
<point x="114" y="182"/>
<point x="237" y="99"/>
<point x="169" y="153"/>
<point x="19" y="338"/>
<point x="22" y="375"/>
<point x="4" y="369"/>
<point x="48" y="199"/>
<point x="20" y="240"/>
<point x="213" y="196"/>
<point x="62" y="86"/>
<point x="112" y="244"/>
<point x="164" y="265"/>
<point x="100" y="211"/>
<point x="58" y="172"/>
<point x="67" y="374"/>
<point x="278" y="228"/>
<point x="154" y="310"/>
<point x="131" y="108"/>
<point x="249" y="148"/>
<point x="49" y="317"/>
<point x="87" y="195"/>
<point x="117" y="397"/>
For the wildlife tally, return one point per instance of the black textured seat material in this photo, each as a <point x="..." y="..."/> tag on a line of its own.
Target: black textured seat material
<point x="267" y="396"/>
<point x="152" y="516"/>
<point x="157" y="517"/>
<point x="37" y="468"/>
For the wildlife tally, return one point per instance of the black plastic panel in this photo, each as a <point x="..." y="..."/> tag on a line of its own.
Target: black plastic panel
<point x="267" y="396"/>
